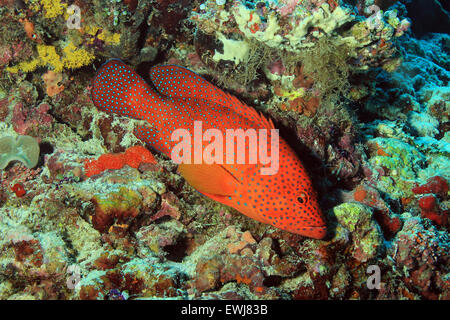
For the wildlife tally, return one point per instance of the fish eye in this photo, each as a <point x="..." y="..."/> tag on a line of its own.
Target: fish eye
<point x="302" y="198"/>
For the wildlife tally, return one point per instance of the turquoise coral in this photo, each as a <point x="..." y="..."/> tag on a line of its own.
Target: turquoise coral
<point x="21" y="148"/>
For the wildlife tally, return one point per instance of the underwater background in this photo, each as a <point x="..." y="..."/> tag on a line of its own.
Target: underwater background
<point x="359" y="88"/>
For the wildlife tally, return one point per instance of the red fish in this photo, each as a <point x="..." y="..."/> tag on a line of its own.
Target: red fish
<point x="285" y="200"/>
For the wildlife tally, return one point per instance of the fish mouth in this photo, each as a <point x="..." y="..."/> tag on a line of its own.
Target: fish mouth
<point x="318" y="232"/>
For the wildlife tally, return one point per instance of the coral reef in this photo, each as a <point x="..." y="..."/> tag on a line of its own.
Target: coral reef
<point x="88" y="212"/>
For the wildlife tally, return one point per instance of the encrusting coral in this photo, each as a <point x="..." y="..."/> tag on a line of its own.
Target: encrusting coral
<point x="21" y="148"/>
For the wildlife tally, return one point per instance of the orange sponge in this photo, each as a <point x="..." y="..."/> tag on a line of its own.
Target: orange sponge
<point x="133" y="157"/>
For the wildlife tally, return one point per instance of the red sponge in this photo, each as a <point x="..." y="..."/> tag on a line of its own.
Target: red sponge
<point x="133" y="157"/>
<point x="431" y="210"/>
<point x="436" y="185"/>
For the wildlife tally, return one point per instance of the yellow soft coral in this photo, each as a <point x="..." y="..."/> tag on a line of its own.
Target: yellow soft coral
<point x="26" y="66"/>
<point x="105" y="35"/>
<point x="48" y="56"/>
<point x="110" y="38"/>
<point x="53" y="8"/>
<point x="76" y="58"/>
<point x="72" y="58"/>
<point x="292" y="95"/>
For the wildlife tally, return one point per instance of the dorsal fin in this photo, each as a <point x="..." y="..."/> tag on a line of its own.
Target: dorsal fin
<point x="250" y="113"/>
<point x="176" y="81"/>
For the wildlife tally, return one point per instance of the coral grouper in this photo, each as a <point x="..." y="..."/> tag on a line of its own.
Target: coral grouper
<point x="285" y="199"/>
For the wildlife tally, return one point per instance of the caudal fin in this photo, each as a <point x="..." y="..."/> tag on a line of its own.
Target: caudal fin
<point x="119" y="89"/>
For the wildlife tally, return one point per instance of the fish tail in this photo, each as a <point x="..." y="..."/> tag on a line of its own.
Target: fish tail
<point x="119" y="89"/>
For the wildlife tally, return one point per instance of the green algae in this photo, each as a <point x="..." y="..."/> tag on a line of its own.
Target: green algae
<point x="401" y="158"/>
<point x="352" y="215"/>
<point x="365" y="232"/>
<point x="396" y="189"/>
<point x="124" y="200"/>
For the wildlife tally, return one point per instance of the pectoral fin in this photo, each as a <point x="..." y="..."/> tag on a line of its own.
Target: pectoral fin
<point x="209" y="178"/>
